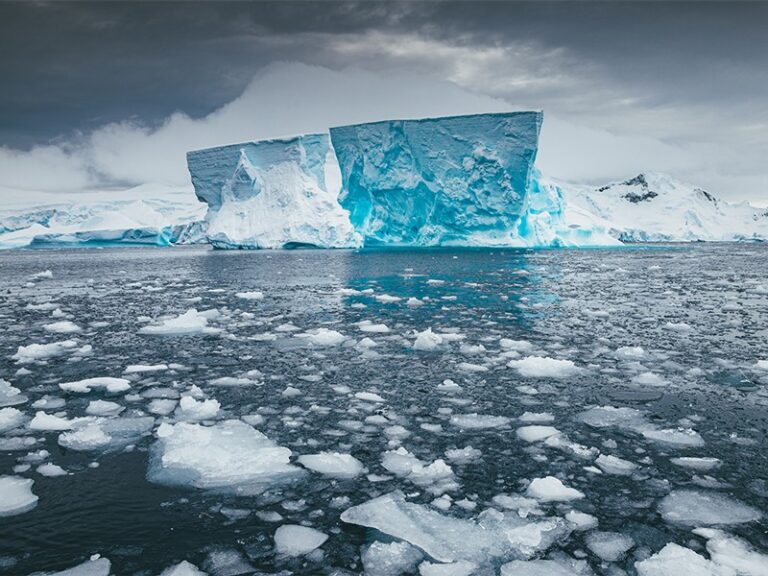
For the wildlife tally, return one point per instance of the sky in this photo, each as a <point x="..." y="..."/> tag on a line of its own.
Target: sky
<point x="109" y="95"/>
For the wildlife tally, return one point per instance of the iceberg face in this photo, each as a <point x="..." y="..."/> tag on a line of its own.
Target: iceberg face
<point x="272" y="194"/>
<point x="458" y="180"/>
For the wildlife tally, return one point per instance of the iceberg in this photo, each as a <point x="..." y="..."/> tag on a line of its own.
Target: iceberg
<point x="454" y="180"/>
<point x="272" y="194"/>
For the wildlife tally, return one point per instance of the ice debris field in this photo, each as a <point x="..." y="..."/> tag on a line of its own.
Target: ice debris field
<point x="515" y="413"/>
<point x="449" y="181"/>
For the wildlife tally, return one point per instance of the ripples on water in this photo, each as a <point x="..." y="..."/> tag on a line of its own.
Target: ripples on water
<point x="676" y="333"/>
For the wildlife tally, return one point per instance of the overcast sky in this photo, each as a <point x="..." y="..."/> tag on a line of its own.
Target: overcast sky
<point x="111" y="94"/>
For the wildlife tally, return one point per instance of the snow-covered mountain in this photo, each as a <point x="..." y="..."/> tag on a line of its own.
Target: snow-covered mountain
<point x="147" y="215"/>
<point x="654" y="207"/>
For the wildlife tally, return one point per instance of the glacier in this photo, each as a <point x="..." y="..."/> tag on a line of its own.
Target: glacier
<point x="272" y="194"/>
<point x="153" y="215"/>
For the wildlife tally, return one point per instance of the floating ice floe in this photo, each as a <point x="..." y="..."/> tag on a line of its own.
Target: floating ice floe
<point x="39" y="352"/>
<point x="296" y="540"/>
<point x="144" y="368"/>
<point x="427" y="341"/>
<point x="230" y="456"/>
<point x="103" y="408"/>
<point x="615" y="465"/>
<point x="546" y="568"/>
<point x="609" y="546"/>
<point x="551" y="489"/>
<point x="107" y="383"/>
<point x="444" y="538"/>
<point x="368" y="326"/>
<point x="635" y="421"/>
<point x="51" y="470"/>
<point x="463" y="455"/>
<point x="190" y="322"/>
<point x="390" y="559"/>
<point x="252" y="295"/>
<point x="183" y="568"/>
<point x="322" y="337"/>
<point x="105" y="435"/>
<point x="476" y="421"/>
<point x="49" y="422"/>
<point x="63" y="327"/>
<point x="437" y="477"/>
<point x="16" y="495"/>
<point x="193" y="410"/>
<point x="10" y="395"/>
<point x="698" y="508"/>
<point x="702" y="464"/>
<point x="460" y="568"/>
<point x="333" y="464"/>
<point x="11" y="418"/>
<point x="544" y="367"/>
<point x="536" y="433"/>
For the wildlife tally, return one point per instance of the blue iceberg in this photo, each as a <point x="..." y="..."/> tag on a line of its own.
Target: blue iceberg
<point x="460" y="180"/>
<point x="272" y="194"/>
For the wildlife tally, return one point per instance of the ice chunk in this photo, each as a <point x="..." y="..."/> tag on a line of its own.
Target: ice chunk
<point x="609" y="546"/>
<point x="193" y="410"/>
<point x="581" y="520"/>
<point x="543" y="367"/>
<point x="369" y="397"/>
<point x="696" y="508"/>
<point x="103" y="408"/>
<point x="105" y="435"/>
<point x="615" y="465"/>
<point x="322" y="337"/>
<point x="89" y="437"/>
<point x="95" y="566"/>
<point x="333" y="464"/>
<point x="635" y="421"/>
<point x="446" y="539"/>
<point x="537" y="568"/>
<point x="703" y="464"/>
<point x="390" y="559"/>
<point x="732" y="553"/>
<point x="38" y="352"/>
<point x="476" y="421"/>
<point x="674" y="560"/>
<point x="460" y="568"/>
<point x="295" y="540"/>
<point x="551" y="489"/>
<point x="472" y="192"/>
<point x="437" y="476"/>
<point x="63" y="327"/>
<point x="111" y="385"/>
<point x="10" y="418"/>
<point x="230" y="456"/>
<point x="10" y="395"/>
<point x="144" y="368"/>
<point x="183" y="568"/>
<point x="252" y="295"/>
<point x="51" y="470"/>
<point x="16" y="495"/>
<point x="536" y="433"/>
<point x="272" y="194"/>
<point x="463" y="455"/>
<point x="191" y="322"/>
<point x="427" y="341"/>
<point x="49" y="422"/>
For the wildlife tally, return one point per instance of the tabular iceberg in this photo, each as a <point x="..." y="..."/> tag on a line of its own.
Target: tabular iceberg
<point x="272" y="194"/>
<point x="459" y="180"/>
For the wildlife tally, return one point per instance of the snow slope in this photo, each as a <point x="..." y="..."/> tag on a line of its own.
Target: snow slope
<point x="147" y="215"/>
<point x="654" y="207"/>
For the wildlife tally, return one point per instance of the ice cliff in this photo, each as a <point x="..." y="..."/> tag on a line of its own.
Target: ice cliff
<point x="272" y="194"/>
<point x="459" y="180"/>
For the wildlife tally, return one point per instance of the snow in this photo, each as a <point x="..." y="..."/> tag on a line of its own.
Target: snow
<point x="551" y="489"/>
<point x="295" y="540"/>
<point x="16" y="495"/>
<point x="190" y="322"/>
<point x="272" y="194"/>
<point x="698" y="508"/>
<point x="543" y="367"/>
<point x="107" y="383"/>
<point x="390" y="559"/>
<point x="448" y="539"/>
<point x="10" y="418"/>
<point x="654" y="207"/>
<point x="230" y="456"/>
<point x="609" y="546"/>
<point x="333" y="464"/>
<point x="150" y="214"/>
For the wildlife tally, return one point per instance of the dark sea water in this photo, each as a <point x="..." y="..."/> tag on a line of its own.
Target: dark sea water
<point x="673" y="332"/>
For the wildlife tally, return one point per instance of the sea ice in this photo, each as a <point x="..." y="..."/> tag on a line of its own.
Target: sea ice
<point x="460" y="568"/>
<point x="253" y="295"/>
<point x="332" y="464"/>
<point x="390" y="559"/>
<point x="427" y="341"/>
<point x="63" y="327"/>
<point x="111" y="385"/>
<point x="615" y="465"/>
<point x="183" y="568"/>
<point x="536" y="433"/>
<point x="476" y="421"/>
<point x="230" y="456"/>
<point x="697" y="508"/>
<point x="543" y="367"/>
<point x="608" y="546"/>
<point x="296" y="540"/>
<point x="538" y="568"/>
<point x="11" y="418"/>
<point x="10" y="395"/>
<point x="16" y="495"/>
<point x="95" y="566"/>
<point x="193" y="410"/>
<point x="551" y="489"/>
<point x="702" y="464"/>
<point x="190" y="322"/>
<point x="49" y="422"/>
<point x="38" y="352"/>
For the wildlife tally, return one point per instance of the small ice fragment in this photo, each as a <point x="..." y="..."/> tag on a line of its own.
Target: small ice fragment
<point x="460" y="568"/>
<point x="427" y="341"/>
<point x="49" y="422"/>
<point x="581" y="520"/>
<point x="193" y="410"/>
<point x="143" y="368"/>
<point x="536" y="417"/>
<point x="390" y="559"/>
<point x="536" y="433"/>
<point x="111" y="385"/>
<point x="696" y="508"/>
<point x="51" y="470"/>
<point x="63" y="327"/>
<point x="703" y="464"/>
<point x="37" y="352"/>
<point x="609" y="546"/>
<point x="368" y="326"/>
<point x="551" y="489"/>
<point x="615" y="465"/>
<point x="254" y="295"/>
<point x="369" y="397"/>
<point x="476" y="421"/>
<point x="296" y="540"/>
<point x="10" y="418"/>
<point x="183" y="568"/>
<point x="103" y="408"/>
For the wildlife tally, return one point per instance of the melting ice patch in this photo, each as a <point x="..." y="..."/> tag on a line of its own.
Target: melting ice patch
<point x="16" y="495"/>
